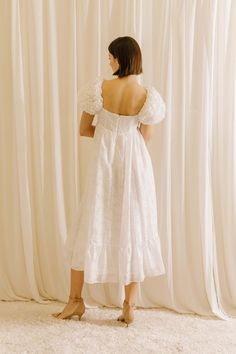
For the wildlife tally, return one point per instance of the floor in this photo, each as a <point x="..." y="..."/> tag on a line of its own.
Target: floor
<point x="28" y="327"/>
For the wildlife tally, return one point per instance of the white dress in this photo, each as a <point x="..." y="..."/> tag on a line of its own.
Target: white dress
<point x="114" y="237"/>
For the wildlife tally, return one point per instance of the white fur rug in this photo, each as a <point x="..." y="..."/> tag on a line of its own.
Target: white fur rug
<point x="28" y="328"/>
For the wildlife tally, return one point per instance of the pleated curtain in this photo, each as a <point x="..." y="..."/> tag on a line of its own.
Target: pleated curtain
<point x="49" y="50"/>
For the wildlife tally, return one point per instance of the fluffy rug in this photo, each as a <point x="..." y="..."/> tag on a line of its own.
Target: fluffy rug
<point x="28" y="327"/>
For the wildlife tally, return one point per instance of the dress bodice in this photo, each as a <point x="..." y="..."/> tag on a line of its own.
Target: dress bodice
<point x="117" y="122"/>
<point x="90" y="100"/>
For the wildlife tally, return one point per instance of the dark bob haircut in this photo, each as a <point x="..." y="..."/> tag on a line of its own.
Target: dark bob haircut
<point x="128" y="54"/>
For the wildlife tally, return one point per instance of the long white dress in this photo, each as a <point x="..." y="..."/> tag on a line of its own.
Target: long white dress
<point x="114" y="237"/>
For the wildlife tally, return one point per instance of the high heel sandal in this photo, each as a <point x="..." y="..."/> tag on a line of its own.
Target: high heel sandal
<point x="127" y="313"/>
<point x="79" y="310"/>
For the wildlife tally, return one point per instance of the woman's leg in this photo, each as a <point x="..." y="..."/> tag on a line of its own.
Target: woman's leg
<point x="76" y="286"/>
<point x="76" y="283"/>
<point x="130" y="292"/>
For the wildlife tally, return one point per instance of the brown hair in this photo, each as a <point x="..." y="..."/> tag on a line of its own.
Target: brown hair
<point x="128" y="54"/>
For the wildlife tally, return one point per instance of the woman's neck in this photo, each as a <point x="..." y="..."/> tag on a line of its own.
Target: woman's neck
<point x="129" y="78"/>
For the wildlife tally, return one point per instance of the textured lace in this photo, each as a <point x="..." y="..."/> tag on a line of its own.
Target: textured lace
<point x="90" y="96"/>
<point x="154" y="108"/>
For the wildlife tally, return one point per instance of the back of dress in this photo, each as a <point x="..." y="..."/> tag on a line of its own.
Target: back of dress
<point x="115" y="237"/>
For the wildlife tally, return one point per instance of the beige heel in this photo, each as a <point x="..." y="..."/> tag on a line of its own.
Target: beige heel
<point x="121" y="317"/>
<point x="127" y="313"/>
<point x="79" y="310"/>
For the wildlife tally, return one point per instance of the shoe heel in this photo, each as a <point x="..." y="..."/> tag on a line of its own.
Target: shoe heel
<point x="81" y="310"/>
<point x="129" y="313"/>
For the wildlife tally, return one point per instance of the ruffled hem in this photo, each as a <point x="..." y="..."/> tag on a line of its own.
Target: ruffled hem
<point x="111" y="278"/>
<point x="105" y="263"/>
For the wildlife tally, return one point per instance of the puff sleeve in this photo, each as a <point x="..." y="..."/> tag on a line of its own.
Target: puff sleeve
<point x="154" y="108"/>
<point x="90" y="96"/>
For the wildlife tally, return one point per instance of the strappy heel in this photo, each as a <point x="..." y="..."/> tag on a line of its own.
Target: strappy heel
<point x="79" y="310"/>
<point x="127" y="313"/>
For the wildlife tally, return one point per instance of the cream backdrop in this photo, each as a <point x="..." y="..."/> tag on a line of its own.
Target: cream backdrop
<point x="49" y="49"/>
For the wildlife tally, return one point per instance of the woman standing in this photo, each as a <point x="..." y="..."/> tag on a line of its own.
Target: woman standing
<point x="115" y="236"/>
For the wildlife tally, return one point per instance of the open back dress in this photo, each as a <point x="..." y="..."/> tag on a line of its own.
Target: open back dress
<point x="114" y="237"/>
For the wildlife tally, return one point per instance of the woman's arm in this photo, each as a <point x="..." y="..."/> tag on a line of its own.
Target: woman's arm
<point x="147" y="131"/>
<point x="86" y="128"/>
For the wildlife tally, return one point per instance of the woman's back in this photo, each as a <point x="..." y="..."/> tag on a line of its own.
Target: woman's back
<point x="123" y="97"/>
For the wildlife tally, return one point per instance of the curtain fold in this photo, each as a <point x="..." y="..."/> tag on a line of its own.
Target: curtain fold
<point x="49" y="50"/>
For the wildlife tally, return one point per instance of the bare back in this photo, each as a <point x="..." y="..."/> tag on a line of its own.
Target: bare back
<point x="122" y="97"/>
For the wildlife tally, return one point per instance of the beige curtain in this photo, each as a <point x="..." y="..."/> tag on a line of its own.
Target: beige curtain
<point x="49" y="49"/>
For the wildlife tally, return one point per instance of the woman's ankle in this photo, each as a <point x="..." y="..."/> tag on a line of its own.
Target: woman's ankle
<point x="75" y="296"/>
<point x="129" y="301"/>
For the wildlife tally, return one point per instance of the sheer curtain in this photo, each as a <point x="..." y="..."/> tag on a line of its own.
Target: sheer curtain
<point x="49" y="50"/>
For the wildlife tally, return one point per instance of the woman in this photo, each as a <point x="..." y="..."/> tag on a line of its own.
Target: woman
<point x="115" y="235"/>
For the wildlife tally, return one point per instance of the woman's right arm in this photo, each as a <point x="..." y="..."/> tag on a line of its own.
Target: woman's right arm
<point x="86" y="128"/>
